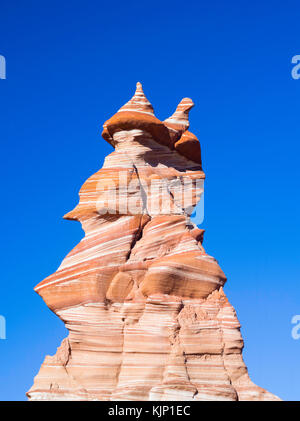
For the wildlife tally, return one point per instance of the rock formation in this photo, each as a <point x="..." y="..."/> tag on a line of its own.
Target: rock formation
<point x="144" y="305"/>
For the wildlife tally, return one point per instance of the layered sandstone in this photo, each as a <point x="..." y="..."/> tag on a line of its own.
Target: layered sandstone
<point x="143" y="302"/>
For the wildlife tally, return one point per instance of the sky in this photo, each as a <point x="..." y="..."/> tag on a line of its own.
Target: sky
<point x="69" y="67"/>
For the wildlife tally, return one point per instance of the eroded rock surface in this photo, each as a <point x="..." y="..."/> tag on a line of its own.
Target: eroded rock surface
<point x="144" y="304"/>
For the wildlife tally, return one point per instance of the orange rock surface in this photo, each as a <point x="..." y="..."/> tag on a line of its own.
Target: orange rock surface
<point x="143" y="302"/>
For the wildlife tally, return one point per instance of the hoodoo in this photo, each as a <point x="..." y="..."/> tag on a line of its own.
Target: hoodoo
<point x="143" y="302"/>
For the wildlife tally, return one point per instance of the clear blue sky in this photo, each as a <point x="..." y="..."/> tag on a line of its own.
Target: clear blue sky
<point x="70" y="66"/>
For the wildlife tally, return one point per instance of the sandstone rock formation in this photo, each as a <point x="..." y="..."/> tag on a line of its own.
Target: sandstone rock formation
<point x="143" y="302"/>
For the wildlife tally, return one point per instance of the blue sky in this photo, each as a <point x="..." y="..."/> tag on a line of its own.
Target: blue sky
<point x="70" y="66"/>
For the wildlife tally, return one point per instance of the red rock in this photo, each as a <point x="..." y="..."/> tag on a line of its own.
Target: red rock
<point x="179" y="121"/>
<point x="189" y="146"/>
<point x="143" y="302"/>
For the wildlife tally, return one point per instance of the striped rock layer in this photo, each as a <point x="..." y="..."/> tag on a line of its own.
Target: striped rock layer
<point x="143" y="302"/>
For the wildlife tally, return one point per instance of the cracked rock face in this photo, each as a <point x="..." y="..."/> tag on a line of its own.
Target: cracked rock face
<point x="144" y="304"/>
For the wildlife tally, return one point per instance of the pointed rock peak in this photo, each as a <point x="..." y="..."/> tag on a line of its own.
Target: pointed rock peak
<point x="139" y="89"/>
<point x="138" y="103"/>
<point x="180" y="119"/>
<point x="185" y="105"/>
